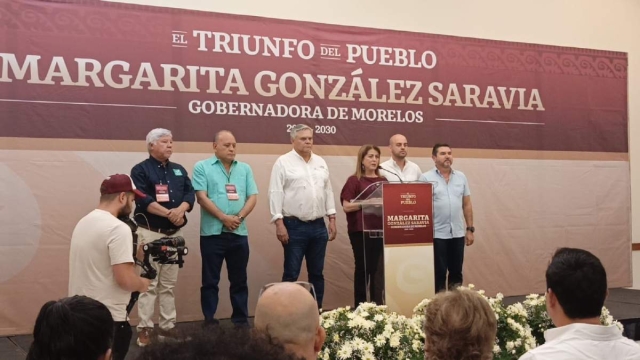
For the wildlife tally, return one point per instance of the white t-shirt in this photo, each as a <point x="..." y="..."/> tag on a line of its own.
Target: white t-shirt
<point x="99" y="241"/>
<point x="299" y="188"/>
<point x="410" y="172"/>
<point x="585" y="342"/>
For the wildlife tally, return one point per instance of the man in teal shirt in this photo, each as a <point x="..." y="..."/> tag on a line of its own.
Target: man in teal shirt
<point x="226" y="192"/>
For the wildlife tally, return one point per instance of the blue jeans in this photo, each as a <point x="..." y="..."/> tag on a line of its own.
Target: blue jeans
<point x="234" y="249"/>
<point x="448" y="255"/>
<point x="306" y="240"/>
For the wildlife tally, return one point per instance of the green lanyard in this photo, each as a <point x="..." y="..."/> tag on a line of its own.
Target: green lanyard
<point x="224" y="171"/>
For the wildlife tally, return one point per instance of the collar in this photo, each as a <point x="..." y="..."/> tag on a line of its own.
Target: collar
<point x="438" y="171"/>
<point x="216" y="160"/>
<point x="395" y="164"/>
<point x="295" y="153"/>
<point x="584" y="331"/>
<point x="157" y="162"/>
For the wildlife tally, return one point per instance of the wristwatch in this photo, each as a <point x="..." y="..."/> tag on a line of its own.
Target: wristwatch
<point x="471" y="228"/>
<point x="241" y="218"/>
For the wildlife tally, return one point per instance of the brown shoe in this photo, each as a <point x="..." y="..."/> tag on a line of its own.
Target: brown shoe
<point x="144" y="337"/>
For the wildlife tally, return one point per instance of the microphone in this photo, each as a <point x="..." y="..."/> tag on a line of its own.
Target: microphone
<point x="391" y="172"/>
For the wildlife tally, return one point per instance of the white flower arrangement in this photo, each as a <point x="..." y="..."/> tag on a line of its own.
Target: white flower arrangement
<point x="369" y="332"/>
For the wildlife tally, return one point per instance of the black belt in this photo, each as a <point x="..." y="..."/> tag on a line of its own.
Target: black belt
<point x="304" y="221"/>
<point x="167" y="232"/>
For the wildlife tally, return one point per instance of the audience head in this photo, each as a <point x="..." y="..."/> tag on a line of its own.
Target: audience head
<point x="73" y="328"/>
<point x="368" y="159"/>
<point x="576" y="286"/>
<point x="217" y="344"/>
<point x="459" y="325"/>
<point x="288" y="313"/>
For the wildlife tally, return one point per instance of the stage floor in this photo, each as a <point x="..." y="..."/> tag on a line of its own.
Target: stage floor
<point x="624" y="305"/>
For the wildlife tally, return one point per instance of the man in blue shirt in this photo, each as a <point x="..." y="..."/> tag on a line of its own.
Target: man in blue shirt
<point x="161" y="213"/>
<point x="451" y="210"/>
<point x="227" y="193"/>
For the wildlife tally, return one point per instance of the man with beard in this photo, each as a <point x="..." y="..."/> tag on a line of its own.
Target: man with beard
<point x="161" y="213"/>
<point x="451" y="210"/>
<point x="101" y="257"/>
<point x="398" y="168"/>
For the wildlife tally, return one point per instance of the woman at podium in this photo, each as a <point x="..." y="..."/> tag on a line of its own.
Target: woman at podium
<point x="367" y="251"/>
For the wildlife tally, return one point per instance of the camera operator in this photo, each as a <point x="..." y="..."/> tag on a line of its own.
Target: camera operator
<point x="101" y="262"/>
<point x="159" y="214"/>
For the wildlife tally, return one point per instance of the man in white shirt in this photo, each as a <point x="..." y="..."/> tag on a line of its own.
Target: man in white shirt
<point x="398" y="168"/>
<point x="101" y="257"/>
<point x="576" y="290"/>
<point x="300" y="195"/>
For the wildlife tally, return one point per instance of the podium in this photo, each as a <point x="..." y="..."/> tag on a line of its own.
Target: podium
<point x="402" y="215"/>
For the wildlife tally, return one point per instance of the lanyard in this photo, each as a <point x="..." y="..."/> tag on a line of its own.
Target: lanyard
<point x="224" y="171"/>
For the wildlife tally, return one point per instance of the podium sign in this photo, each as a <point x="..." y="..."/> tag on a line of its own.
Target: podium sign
<point x="408" y="239"/>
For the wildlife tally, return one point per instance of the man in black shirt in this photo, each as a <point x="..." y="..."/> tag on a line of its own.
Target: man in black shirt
<point x="169" y="194"/>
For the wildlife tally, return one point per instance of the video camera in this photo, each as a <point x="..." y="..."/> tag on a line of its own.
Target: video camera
<point x="166" y="250"/>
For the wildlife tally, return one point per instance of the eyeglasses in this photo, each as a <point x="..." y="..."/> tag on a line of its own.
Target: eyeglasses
<point x="308" y="286"/>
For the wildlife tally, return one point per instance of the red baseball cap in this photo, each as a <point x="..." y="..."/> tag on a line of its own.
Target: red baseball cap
<point x="118" y="183"/>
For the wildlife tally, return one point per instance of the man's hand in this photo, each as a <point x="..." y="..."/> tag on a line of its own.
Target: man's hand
<point x="176" y="215"/>
<point x="332" y="229"/>
<point x="231" y="222"/>
<point x="469" y="238"/>
<point x="281" y="232"/>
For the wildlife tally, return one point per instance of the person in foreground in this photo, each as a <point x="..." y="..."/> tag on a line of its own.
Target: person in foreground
<point x="287" y="312"/>
<point x="73" y="328"/>
<point x="101" y="257"/>
<point x="459" y="325"/>
<point x="216" y="343"/>
<point x="576" y="290"/>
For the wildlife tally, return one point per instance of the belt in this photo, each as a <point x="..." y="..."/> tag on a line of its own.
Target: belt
<point x="167" y="232"/>
<point x="304" y="221"/>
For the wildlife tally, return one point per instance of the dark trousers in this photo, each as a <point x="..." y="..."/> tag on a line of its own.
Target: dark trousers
<point x="306" y="240"/>
<point x="121" y="339"/>
<point x="234" y="249"/>
<point x="368" y="254"/>
<point x="448" y="255"/>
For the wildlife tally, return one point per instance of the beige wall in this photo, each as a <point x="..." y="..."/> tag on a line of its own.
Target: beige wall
<point x="595" y="24"/>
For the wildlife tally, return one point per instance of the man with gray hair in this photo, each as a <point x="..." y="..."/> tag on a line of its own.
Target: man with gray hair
<point x="288" y="314"/>
<point x="300" y="195"/>
<point x="169" y="194"/>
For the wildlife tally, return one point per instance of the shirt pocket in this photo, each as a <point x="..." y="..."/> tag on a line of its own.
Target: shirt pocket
<point x="458" y="189"/>
<point x="320" y="176"/>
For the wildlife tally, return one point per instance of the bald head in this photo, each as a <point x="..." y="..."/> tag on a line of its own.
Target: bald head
<point x="398" y="145"/>
<point x="289" y="314"/>
<point x="397" y="138"/>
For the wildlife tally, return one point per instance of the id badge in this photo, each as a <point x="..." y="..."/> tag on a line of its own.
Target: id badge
<point x="232" y="194"/>
<point x="162" y="193"/>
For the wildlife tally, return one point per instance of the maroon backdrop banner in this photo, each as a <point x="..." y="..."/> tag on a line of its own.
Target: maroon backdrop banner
<point x="408" y="214"/>
<point x="96" y="70"/>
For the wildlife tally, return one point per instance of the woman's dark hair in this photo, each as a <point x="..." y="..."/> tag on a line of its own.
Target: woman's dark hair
<point x="73" y="328"/>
